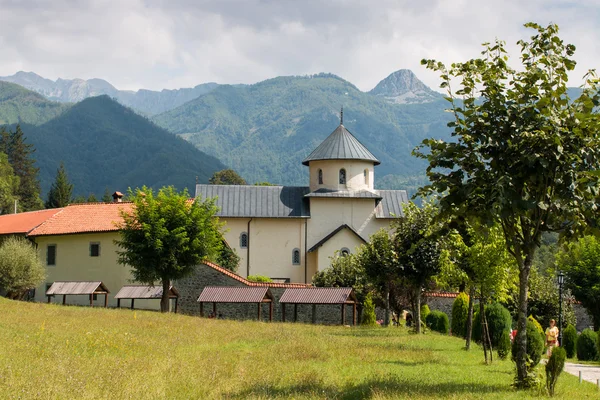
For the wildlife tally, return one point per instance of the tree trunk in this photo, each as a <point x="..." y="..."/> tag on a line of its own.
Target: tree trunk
<point x="417" y="318"/>
<point x="521" y="359"/>
<point x="386" y="317"/>
<point x="487" y="338"/>
<point x="469" y="332"/>
<point x="164" y="300"/>
<point x="483" y="340"/>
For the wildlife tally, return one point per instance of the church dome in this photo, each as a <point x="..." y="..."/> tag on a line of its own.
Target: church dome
<point x="341" y="145"/>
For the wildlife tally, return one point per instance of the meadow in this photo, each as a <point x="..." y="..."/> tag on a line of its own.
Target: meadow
<point x="58" y="352"/>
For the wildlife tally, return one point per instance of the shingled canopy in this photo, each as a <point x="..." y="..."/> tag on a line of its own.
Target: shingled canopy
<point x="232" y="294"/>
<point x="315" y="296"/>
<point x="69" y="288"/>
<point x="133" y="292"/>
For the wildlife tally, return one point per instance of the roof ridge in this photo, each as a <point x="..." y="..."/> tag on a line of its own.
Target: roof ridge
<point x="46" y="221"/>
<point x="253" y="284"/>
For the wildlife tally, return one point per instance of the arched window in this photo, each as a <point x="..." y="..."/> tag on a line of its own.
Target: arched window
<point x="296" y="256"/>
<point x="366" y="173"/>
<point x="344" y="252"/>
<point x="243" y="240"/>
<point x="342" y="176"/>
<point x="320" y="177"/>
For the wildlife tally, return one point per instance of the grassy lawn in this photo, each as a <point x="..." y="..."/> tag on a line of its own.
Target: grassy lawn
<point x="52" y="351"/>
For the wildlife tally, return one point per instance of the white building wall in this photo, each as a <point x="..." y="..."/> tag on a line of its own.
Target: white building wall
<point x="355" y="178"/>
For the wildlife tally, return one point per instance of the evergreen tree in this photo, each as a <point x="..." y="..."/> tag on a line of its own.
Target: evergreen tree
<point x="92" y="198"/>
<point x="20" y="156"/>
<point x="9" y="184"/>
<point x="61" y="192"/>
<point x="106" y="197"/>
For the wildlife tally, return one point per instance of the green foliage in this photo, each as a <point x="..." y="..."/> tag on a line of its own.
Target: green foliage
<point x="535" y="344"/>
<point x="20" y="267"/>
<point x="228" y="258"/>
<point x="425" y="311"/>
<point x="554" y="367"/>
<point x="587" y="346"/>
<point x="345" y="271"/>
<point x="504" y="345"/>
<point x="570" y="341"/>
<point x="61" y="192"/>
<point x="581" y="263"/>
<point x="523" y="153"/>
<point x="226" y="177"/>
<point x="368" y="314"/>
<point x="9" y="184"/>
<point x="106" y="197"/>
<point x="259" y="278"/>
<point x="438" y="321"/>
<point x="18" y="104"/>
<point x="499" y="320"/>
<point x="165" y="236"/>
<point x="460" y="311"/>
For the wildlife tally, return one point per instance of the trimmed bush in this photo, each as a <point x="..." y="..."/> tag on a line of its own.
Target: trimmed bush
<point x="587" y="348"/>
<point x="535" y="344"/>
<point x="259" y="278"/>
<point x="368" y="312"/>
<point x="570" y="341"/>
<point x="504" y="345"/>
<point x="498" y="319"/>
<point x="460" y="312"/>
<point x="425" y="311"/>
<point x="438" y="321"/>
<point x="554" y="367"/>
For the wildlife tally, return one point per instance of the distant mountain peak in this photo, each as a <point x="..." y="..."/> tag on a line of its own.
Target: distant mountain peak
<point x="404" y="87"/>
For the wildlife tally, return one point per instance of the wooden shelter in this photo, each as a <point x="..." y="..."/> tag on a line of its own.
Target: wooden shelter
<point x="232" y="294"/>
<point x="319" y="296"/>
<point x="75" y="288"/>
<point x="146" y="292"/>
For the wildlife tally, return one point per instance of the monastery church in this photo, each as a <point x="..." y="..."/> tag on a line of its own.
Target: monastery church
<point x="284" y="232"/>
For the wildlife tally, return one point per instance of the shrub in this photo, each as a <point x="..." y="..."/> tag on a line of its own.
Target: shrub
<point x="259" y="278"/>
<point x="368" y="312"/>
<point x="569" y="340"/>
<point x="498" y="319"/>
<point x="535" y="344"/>
<point x="425" y="311"/>
<point x="438" y="321"/>
<point x="20" y="267"/>
<point x="554" y="367"/>
<point x="460" y="312"/>
<point x="587" y="349"/>
<point x="504" y="345"/>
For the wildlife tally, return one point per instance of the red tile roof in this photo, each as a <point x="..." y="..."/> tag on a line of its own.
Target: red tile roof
<point x="83" y="218"/>
<point x="441" y="294"/>
<point x="256" y="284"/>
<point x="24" y="222"/>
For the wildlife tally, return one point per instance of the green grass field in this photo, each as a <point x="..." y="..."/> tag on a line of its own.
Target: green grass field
<point x="52" y="351"/>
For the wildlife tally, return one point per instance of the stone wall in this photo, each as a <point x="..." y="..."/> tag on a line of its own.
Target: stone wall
<point x="205" y="275"/>
<point x="441" y="304"/>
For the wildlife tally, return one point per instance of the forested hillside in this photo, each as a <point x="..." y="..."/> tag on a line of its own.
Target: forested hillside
<point x="265" y="130"/>
<point x="18" y="104"/>
<point x="106" y="145"/>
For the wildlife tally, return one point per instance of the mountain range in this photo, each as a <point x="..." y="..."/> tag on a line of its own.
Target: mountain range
<point x="263" y="130"/>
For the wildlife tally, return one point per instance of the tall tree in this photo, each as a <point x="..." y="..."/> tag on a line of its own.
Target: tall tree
<point x="226" y="177"/>
<point x="9" y="184"/>
<point x="20" y="267"/>
<point x="106" y="197"/>
<point x="20" y="156"/>
<point x="524" y="154"/>
<point x="165" y="236"/>
<point x="61" y="191"/>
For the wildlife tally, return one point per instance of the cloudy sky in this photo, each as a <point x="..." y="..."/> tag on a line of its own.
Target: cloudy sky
<point x="157" y="44"/>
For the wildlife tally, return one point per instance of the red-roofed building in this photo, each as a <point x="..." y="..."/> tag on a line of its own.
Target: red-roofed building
<point x="23" y="223"/>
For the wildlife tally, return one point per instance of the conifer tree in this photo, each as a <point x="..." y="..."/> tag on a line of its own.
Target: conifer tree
<point x="106" y="197"/>
<point x="61" y="191"/>
<point x="20" y="156"/>
<point x="92" y="198"/>
<point x="8" y="185"/>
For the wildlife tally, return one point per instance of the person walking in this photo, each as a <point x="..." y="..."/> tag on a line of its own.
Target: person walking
<point x="551" y="337"/>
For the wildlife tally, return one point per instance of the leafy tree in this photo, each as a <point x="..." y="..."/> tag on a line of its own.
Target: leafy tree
<point x="228" y="258"/>
<point x="9" y="184"/>
<point x="20" y="267"/>
<point x="165" y="236"/>
<point x="523" y="154"/>
<point x="379" y="261"/>
<point x="417" y="248"/>
<point x="61" y="192"/>
<point x="226" y="177"/>
<point x="581" y="263"/>
<point x="20" y="155"/>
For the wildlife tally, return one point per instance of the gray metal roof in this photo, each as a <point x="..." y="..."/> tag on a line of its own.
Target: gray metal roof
<point x="391" y="202"/>
<point x="332" y="234"/>
<point x="257" y="201"/>
<point x="357" y="194"/>
<point x="321" y="295"/>
<point x="233" y="294"/>
<point x="79" y="287"/>
<point x="341" y="145"/>
<point x="144" y="292"/>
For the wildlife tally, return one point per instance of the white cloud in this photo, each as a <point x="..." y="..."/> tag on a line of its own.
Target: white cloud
<point x="158" y="44"/>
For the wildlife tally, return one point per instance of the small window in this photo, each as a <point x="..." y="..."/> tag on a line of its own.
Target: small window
<point x="345" y="252"/>
<point x="342" y="176"/>
<point x="244" y="240"/>
<point x="95" y="297"/>
<point x="366" y="173"/>
<point x="320" y="177"/>
<point x="296" y="257"/>
<point x="51" y="254"/>
<point x="94" y="249"/>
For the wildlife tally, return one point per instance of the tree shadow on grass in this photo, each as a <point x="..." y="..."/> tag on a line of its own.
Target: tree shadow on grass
<point x="391" y="387"/>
